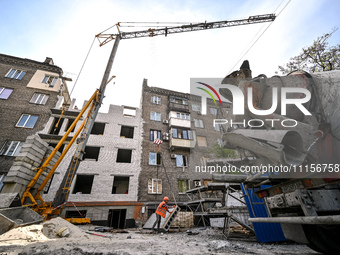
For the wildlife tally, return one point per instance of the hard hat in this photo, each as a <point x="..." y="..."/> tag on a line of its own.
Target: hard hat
<point x="166" y="199"/>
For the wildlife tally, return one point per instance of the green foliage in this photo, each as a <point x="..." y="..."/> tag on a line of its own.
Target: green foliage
<point x="220" y="152"/>
<point x="316" y="58"/>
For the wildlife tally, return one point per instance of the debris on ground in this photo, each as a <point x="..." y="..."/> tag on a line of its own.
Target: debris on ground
<point x="44" y="240"/>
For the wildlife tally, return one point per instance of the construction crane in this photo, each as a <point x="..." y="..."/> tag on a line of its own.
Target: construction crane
<point x="93" y="105"/>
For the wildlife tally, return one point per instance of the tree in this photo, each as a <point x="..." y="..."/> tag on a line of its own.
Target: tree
<point x="220" y="152"/>
<point x="316" y="58"/>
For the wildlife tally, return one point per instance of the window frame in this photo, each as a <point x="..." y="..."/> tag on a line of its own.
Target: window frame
<point x="187" y="185"/>
<point x="213" y="111"/>
<point x="184" y="160"/>
<point x="16" y="150"/>
<point x="42" y="101"/>
<point x="155" y="114"/>
<point x="196" y="107"/>
<point x="29" y="116"/>
<point x="198" y="123"/>
<point x="157" y="181"/>
<point x="178" y="133"/>
<point x="152" y="135"/>
<point x="202" y="139"/>
<point x="157" y="158"/>
<point x="2" y="89"/>
<point x="16" y="74"/>
<point x="50" y="83"/>
<point x="156" y="100"/>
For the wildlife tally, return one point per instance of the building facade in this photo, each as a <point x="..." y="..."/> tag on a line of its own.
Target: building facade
<point x="28" y="90"/>
<point x="177" y="164"/>
<point x="105" y="186"/>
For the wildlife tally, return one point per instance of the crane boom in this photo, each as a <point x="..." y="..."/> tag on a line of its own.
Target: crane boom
<point x="186" y="28"/>
<point x="64" y="189"/>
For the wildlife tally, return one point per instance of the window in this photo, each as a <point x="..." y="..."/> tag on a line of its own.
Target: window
<point x="129" y="112"/>
<point x="178" y="100"/>
<point x="11" y="148"/>
<point x="154" y="158"/>
<point x="83" y="184"/>
<point x="15" y="74"/>
<point x="69" y="123"/>
<point x="55" y="144"/>
<point x="76" y="214"/>
<point x="203" y="161"/>
<point x="201" y="141"/>
<point x="155" y="134"/>
<point x="199" y="123"/>
<point x="182" y="133"/>
<point x="217" y="127"/>
<point x="91" y="153"/>
<point x="124" y="156"/>
<point x="181" y="161"/>
<point x="2" y="178"/>
<point x="126" y="132"/>
<point x="39" y="98"/>
<point x="50" y="80"/>
<point x="98" y="128"/>
<point x="5" y="93"/>
<point x="27" y="121"/>
<point x="154" y="186"/>
<point x="183" y="185"/>
<point x="184" y="116"/>
<point x="155" y="116"/>
<point x="155" y="100"/>
<point x="196" y="107"/>
<point x="213" y="111"/>
<point x="56" y="128"/>
<point x="120" y="185"/>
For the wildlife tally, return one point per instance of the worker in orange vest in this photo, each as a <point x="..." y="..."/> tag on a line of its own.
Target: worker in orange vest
<point x="161" y="212"/>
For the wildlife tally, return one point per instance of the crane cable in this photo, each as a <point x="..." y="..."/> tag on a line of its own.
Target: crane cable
<point x="259" y="36"/>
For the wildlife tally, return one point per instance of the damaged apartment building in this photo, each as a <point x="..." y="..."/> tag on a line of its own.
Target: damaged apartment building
<point x="188" y="138"/>
<point x="28" y="90"/>
<point x="104" y="188"/>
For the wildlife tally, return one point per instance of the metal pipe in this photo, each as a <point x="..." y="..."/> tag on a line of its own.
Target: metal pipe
<point x="330" y="219"/>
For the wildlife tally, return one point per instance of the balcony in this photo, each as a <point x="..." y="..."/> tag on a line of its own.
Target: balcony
<point x="179" y="123"/>
<point x="182" y="143"/>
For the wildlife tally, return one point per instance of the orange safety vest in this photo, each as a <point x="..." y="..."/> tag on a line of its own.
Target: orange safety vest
<point x="161" y="210"/>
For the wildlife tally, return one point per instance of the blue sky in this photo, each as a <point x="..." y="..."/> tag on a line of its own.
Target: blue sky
<point x="65" y="29"/>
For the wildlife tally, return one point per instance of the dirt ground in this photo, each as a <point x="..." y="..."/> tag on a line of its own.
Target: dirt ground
<point x="85" y="242"/>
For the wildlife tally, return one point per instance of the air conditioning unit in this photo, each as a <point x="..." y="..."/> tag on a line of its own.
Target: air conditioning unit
<point x="172" y="155"/>
<point x="166" y="137"/>
<point x="165" y="122"/>
<point x="197" y="183"/>
<point x="199" y="113"/>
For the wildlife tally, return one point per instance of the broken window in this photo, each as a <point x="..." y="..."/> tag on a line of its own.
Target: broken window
<point x="201" y="141"/>
<point x="69" y="123"/>
<point x="154" y="158"/>
<point x="55" y="129"/>
<point x="154" y="186"/>
<point x="91" y="153"/>
<point x="155" y="134"/>
<point x="15" y="74"/>
<point x="124" y="156"/>
<point x="27" y="121"/>
<point x="155" y="116"/>
<point x="5" y="93"/>
<point x="126" y="132"/>
<point x="183" y="185"/>
<point x="98" y="128"/>
<point x="76" y="214"/>
<point x="50" y="80"/>
<point x="39" y="98"/>
<point x="155" y="100"/>
<point x="181" y="160"/>
<point x="11" y="148"/>
<point x="83" y="184"/>
<point x="120" y="185"/>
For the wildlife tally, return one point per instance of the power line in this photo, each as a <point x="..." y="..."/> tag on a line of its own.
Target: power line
<point x="259" y="36"/>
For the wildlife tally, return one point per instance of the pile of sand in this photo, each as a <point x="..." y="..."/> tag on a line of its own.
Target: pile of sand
<point x="44" y="232"/>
